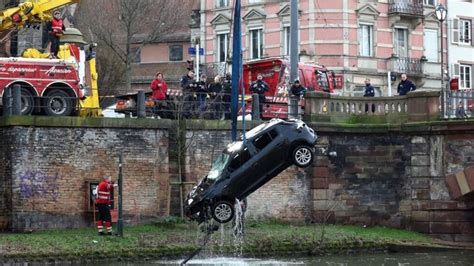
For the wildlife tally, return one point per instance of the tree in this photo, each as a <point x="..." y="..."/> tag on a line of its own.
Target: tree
<point x="126" y="26"/>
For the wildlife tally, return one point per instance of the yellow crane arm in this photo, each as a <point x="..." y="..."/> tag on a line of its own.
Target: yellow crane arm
<point x="30" y="12"/>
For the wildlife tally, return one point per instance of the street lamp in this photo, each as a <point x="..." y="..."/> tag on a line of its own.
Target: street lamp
<point x="441" y="13"/>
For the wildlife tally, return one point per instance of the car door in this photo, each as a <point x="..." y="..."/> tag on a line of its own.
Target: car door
<point x="239" y="168"/>
<point x="269" y="157"/>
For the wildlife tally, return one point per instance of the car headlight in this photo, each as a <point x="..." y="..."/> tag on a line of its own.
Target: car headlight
<point x="190" y="201"/>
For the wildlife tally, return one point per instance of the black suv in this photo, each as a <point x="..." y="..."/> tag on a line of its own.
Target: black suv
<point x="246" y="165"/>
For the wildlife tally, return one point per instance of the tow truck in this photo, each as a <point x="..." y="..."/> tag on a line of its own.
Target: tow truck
<point x="55" y="87"/>
<point x="276" y="72"/>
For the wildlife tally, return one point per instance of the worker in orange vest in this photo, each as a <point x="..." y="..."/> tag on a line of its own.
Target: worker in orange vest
<point x="56" y="29"/>
<point x="103" y="201"/>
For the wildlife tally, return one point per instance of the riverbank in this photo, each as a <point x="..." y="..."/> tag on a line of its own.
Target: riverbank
<point x="179" y="240"/>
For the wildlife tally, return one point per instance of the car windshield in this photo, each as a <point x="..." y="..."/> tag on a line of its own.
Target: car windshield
<point x="218" y="166"/>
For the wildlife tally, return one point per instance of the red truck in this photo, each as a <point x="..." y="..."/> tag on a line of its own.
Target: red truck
<point x="276" y="72"/>
<point x="51" y="86"/>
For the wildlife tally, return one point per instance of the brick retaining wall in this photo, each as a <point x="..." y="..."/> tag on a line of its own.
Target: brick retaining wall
<point x="391" y="176"/>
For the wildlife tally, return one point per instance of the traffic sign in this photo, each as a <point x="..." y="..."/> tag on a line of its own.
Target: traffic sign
<point x="192" y="51"/>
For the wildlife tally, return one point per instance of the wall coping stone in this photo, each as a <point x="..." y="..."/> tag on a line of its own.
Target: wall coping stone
<point x="451" y="126"/>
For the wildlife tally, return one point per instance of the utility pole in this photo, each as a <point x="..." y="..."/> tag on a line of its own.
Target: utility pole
<point x="293" y="102"/>
<point x="120" y="198"/>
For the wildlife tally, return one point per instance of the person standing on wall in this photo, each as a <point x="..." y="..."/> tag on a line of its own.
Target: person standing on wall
<point x="369" y="92"/>
<point x="260" y="87"/>
<point x="56" y="29"/>
<point x="405" y="85"/>
<point x="159" y="89"/>
<point x="103" y="201"/>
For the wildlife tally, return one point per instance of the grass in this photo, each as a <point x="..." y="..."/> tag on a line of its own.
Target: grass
<point x="167" y="239"/>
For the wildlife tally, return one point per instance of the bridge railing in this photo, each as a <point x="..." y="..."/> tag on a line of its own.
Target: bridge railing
<point x="416" y="106"/>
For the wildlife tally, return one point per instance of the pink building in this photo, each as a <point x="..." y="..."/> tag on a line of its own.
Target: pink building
<point x="358" y="38"/>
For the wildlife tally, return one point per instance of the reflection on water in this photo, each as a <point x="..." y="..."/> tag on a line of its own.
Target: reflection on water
<point x="455" y="258"/>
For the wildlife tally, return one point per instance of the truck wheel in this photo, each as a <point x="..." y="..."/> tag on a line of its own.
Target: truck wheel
<point x="58" y="103"/>
<point x="303" y="156"/>
<point x="222" y="212"/>
<point x="27" y="102"/>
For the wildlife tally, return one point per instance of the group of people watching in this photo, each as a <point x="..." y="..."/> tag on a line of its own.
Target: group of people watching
<point x="213" y="98"/>
<point x="200" y="98"/>
<point x="210" y="98"/>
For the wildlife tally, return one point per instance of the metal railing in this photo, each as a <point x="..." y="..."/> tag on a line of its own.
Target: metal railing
<point x="460" y="104"/>
<point x="406" y="7"/>
<point x="407" y="65"/>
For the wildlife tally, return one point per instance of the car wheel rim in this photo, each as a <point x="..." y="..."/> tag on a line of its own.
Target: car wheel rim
<point x="303" y="156"/>
<point x="223" y="212"/>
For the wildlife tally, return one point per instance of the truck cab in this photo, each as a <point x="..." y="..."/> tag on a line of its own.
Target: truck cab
<point x="276" y="72"/>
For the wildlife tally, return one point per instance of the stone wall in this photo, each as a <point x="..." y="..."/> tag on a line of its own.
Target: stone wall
<point x="383" y="175"/>
<point x="5" y="182"/>
<point x="395" y="177"/>
<point x="51" y="168"/>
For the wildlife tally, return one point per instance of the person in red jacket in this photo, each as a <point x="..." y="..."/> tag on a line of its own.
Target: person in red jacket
<point x="159" y="89"/>
<point x="56" y="30"/>
<point x="103" y="201"/>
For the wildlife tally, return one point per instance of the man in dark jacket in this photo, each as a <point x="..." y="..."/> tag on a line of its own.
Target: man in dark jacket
<point x="226" y="95"/>
<point x="297" y="89"/>
<point x="369" y="92"/>
<point x="189" y="85"/>
<point x="405" y="86"/>
<point x="260" y="87"/>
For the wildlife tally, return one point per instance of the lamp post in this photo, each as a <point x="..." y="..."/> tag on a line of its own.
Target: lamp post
<point x="441" y="13"/>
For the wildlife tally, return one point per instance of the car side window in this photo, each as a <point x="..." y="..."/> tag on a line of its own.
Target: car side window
<point x="273" y="133"/>
<point x="239" y="159"/>
<point x="262" y="141"/>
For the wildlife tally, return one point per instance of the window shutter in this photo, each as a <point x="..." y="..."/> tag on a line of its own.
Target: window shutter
<point x="472" y="31"/>
<point x="360" y="39"/>
<point x="456" y="70"/>
<point x="455" y="31"/>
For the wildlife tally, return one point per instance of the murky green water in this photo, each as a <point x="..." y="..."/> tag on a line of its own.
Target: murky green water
<point x="443" y="258"/>
<point x="399" y="259"/>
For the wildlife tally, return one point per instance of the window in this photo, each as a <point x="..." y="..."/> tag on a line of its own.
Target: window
<point x="222" y="41"/>
<point x="136" y="55"/>
<point x="239" y="159"/>
<point x="256" y="44"/>
<point x="286" y="40"/>
<point x="465" y="79"/>
<point x="176" y="53"/>
<point x="222" y="3"/>
<point x="262" y="141"/>
<point x="366" y="40"/>
<point x="465" y="31"/>
<point x="401" y="42"/>
<point x="429" y="2"/>
<point x="431" y="42"/>
<point x="254" y="1"/>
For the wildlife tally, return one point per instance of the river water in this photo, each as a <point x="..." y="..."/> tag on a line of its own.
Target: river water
<point x="441" y="258"/>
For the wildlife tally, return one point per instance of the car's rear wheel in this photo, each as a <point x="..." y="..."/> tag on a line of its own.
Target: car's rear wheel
<point x="223" y="212"/>
<point x="303" y="156"/>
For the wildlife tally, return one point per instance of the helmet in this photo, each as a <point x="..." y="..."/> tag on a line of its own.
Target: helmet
<point x="296" y="81"/>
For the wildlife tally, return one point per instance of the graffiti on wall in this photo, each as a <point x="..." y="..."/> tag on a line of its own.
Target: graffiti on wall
<point x="35" y="184"/>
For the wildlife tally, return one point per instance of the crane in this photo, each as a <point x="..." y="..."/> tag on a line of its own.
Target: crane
<point x="34" y="12"/>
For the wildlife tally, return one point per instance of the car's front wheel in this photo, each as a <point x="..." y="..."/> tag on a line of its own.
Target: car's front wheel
<point x="223" y="212"/>
<point x="303" y="156"/>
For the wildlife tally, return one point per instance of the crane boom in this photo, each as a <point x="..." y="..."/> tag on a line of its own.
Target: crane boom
<point x="30" y="12"/>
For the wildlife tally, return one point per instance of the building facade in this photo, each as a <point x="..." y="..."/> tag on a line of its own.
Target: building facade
<point x="357" y="38"/>
<point x="460" y="43"/>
